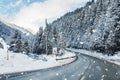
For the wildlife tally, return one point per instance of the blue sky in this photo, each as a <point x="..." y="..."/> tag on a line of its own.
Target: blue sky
<point x="11" y="7"/>
<point x="31" y="14"/>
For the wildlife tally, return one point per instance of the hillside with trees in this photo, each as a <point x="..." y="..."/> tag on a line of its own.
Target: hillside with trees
<point x="94" y="27"/>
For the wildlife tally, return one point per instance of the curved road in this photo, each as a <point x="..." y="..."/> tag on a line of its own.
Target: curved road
<point x="84" y="68"/>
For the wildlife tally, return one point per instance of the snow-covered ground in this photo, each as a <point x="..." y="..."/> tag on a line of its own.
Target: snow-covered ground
<point x="114" y="59"/>
<point x="67" y="55"/>
<point x="18" y="62"/>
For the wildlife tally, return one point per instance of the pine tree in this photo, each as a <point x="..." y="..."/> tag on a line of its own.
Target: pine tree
<point x="37" y="41"/>
<point x="117" y="33"/>
<point x="48" y="38"/>
<point x="55" y="36"/>
<point x="42" y="43"/>
<point x="25" y="47"/>
<point x="93" y="1"/>
<point x="16" y="44"/>
<point x="42" y="47"/>
<point x="55" y="33"/>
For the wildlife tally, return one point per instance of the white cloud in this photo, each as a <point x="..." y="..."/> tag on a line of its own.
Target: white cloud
<point x="28" y="1"/>
<point x="17" y="3"/>
<point x="33" y="16"/>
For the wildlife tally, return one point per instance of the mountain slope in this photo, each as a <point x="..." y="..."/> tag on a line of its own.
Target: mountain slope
<point x="95" y="26"/>
<point x="14" y="26"/>
<point x="7" y="31"/>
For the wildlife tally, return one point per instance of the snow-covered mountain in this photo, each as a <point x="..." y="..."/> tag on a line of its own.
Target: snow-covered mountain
<point x="7" y="31"/>
<point x="15" y="26"/>
<point x="95" y="26"/>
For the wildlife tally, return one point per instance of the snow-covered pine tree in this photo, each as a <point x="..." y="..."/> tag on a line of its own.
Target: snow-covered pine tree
<point x="93" y="1"/>
<point x="42" y="42"/>
<point x="37" y="41"/>
<point x="117" y="32"/>
<point x="25" y="47"/>
<point x="55" y="35"/>
<point x="48" y="38"/>
<point x="16" y="44"/>
<point x="42" y="46"/>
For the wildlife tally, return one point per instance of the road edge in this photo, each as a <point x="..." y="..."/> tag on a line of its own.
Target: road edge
<point x="74" y="58"/>
<point x="102" y="59"/>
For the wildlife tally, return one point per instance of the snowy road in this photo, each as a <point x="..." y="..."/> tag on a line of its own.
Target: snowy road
<point x="84" y="68"/>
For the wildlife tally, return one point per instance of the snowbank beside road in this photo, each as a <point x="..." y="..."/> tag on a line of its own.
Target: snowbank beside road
<point x="67" y="55"/>
<point x="17" y="62"/>
<point x="114" y="59"/>
<point x="20" y="62"/>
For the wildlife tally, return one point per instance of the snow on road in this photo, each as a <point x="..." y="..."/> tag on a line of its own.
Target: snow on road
<point x="114" y="59"/>
<point x="19" y="62"/>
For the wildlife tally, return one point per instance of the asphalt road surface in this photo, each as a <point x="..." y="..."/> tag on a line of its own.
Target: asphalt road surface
<point x="84" y="68"/>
